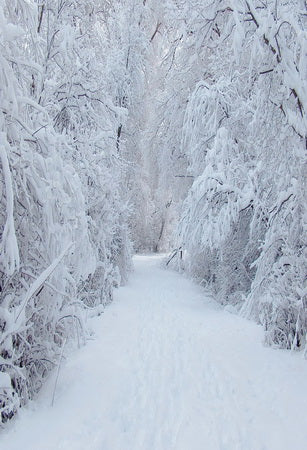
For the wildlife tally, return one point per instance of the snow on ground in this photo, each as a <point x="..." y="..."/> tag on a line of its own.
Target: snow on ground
<point x="169" y="369"/>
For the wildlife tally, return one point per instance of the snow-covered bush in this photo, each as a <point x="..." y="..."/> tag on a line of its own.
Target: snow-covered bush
<point x="63" y="217"/>
<point x="244" y="132"/>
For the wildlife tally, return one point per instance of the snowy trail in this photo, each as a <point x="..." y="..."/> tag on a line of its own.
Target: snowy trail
<point x="169" y="369"/>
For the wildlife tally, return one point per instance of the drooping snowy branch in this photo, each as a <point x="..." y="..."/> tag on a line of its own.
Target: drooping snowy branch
<point x="9" y="246"/>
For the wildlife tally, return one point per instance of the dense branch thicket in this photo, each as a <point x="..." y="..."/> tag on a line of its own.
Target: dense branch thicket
<point x="244" y="133"/>
<point x="63" y="216"/>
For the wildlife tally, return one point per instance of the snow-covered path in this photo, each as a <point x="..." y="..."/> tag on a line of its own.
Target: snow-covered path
<point x="169" y="369"/>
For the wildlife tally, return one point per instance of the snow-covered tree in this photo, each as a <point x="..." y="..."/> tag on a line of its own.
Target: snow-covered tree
<point x="244" y="132"/>
<point x="64" y="235"/>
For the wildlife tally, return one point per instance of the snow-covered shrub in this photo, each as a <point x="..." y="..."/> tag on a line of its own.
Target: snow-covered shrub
<point x="244" y="132"/>
<point x="63" y="217"/>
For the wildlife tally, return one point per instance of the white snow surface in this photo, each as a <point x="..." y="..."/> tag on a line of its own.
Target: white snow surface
<point x="169" y="369"/>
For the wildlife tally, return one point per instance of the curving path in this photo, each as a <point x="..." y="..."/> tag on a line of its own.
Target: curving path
<point x="169" y="370"/>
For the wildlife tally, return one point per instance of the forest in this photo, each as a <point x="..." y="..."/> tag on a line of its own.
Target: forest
<point x="140" y="126"/>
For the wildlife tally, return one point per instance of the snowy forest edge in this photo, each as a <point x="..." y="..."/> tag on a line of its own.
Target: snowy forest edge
<point x="182" y="125"/>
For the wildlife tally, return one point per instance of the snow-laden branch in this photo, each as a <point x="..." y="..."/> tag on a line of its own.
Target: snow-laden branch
<point x="9" y="252"/>
<point x="36" y="285"/>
